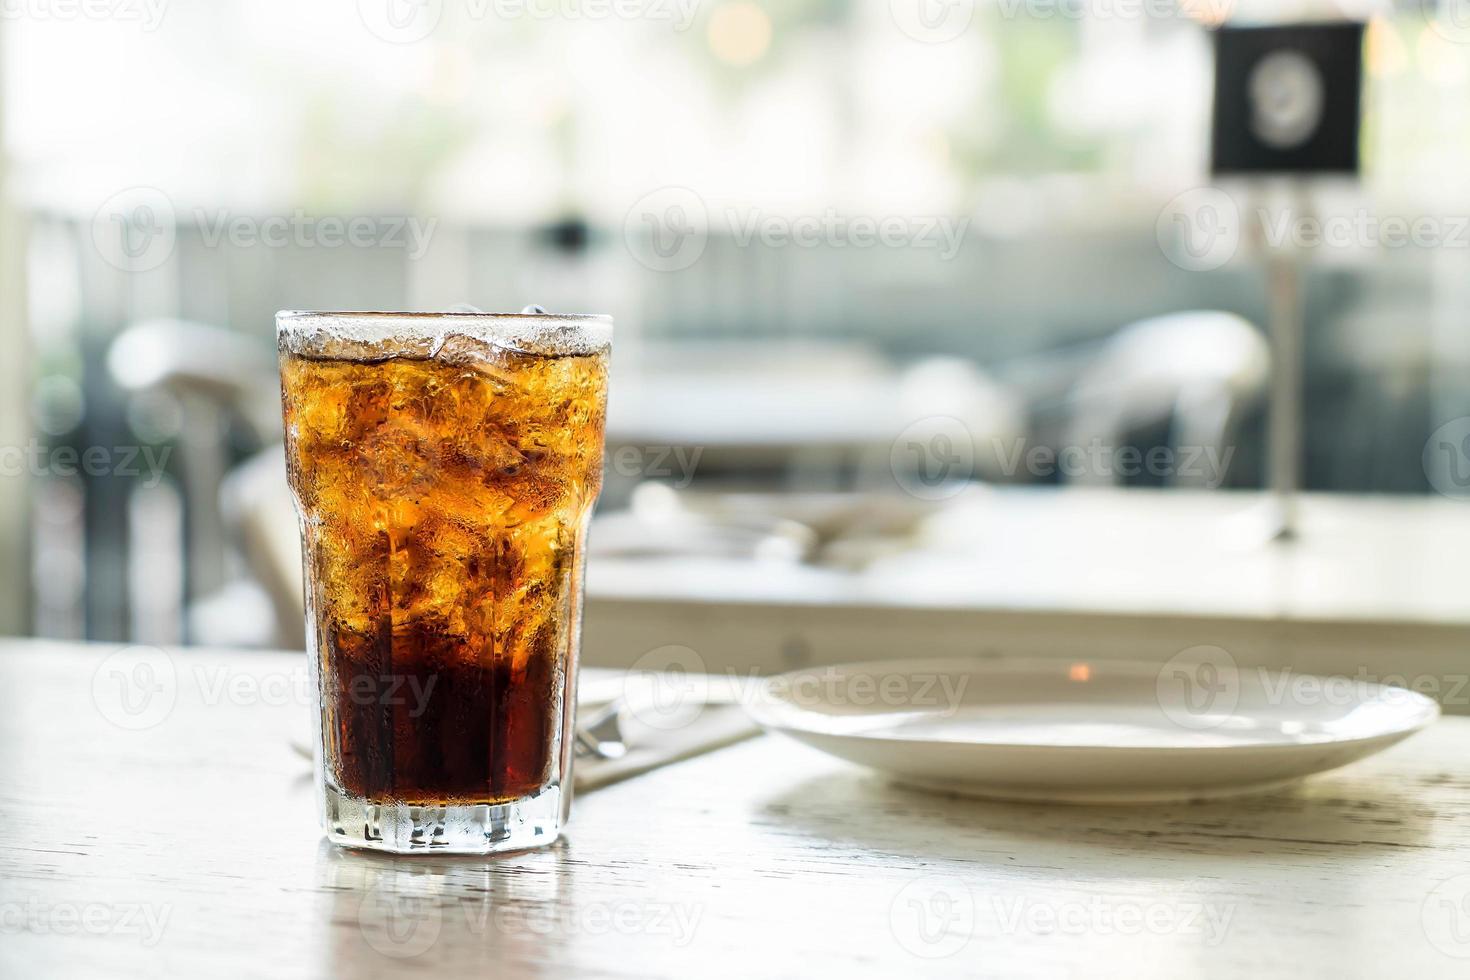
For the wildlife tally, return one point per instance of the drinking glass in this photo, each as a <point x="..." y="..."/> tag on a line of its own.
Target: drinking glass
<point x="444" y="467"/>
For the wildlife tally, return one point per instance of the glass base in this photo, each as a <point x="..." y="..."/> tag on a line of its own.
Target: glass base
<point x="402" y="828"/>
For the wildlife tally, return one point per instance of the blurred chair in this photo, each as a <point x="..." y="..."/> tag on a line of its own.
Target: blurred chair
<point x="258" y="511"/>
<point x="196" y="360"/>
<point x="225" y="384"/>
<point x="1194" y="372"/>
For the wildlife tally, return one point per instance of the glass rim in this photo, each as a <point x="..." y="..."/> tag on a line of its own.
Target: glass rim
<point x="544" y="333"/>
<point x="588" y="318"/>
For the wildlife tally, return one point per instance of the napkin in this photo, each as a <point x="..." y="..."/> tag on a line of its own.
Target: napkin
<point x="689" y="716"/>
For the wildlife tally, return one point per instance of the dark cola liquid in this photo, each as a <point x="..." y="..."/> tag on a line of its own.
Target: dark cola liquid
<point x="410" y="722"/>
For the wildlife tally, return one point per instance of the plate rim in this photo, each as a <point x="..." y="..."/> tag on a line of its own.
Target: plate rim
<point x="1427" y="710"/>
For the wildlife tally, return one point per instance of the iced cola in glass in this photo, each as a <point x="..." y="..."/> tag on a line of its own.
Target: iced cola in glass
<point x="444" y="468"/>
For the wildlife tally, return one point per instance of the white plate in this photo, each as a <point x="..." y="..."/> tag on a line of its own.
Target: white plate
<point x="1087" y="731"/>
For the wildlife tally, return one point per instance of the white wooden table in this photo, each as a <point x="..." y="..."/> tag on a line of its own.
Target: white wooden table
<point x="163" y="828"/>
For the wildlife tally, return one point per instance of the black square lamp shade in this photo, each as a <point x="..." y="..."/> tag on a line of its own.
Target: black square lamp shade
<point x="1287" y="99"/>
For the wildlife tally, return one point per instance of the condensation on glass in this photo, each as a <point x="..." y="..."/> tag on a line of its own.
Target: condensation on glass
<point x="444" y="468"/>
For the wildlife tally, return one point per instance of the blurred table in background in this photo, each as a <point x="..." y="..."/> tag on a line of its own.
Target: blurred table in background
<point x="1376" y="585"/>
<point x="767" y="397"/>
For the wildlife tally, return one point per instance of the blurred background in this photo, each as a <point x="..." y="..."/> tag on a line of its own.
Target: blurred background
<point x="875" y="264"/>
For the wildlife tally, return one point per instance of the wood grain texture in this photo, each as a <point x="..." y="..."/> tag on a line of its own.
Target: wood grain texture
<point x="181" y="842"/>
